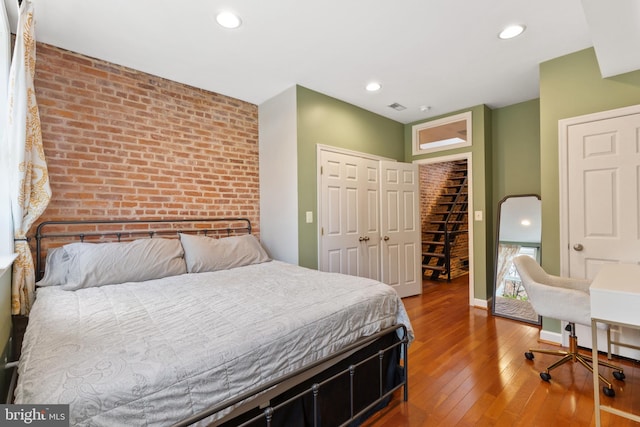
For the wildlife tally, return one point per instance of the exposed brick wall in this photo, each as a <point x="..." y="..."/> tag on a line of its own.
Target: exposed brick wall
<point x="433" y="177"/>
<point x="124" y="144"/>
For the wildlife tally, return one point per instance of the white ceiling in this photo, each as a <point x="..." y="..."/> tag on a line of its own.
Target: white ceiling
<point x="444" y="54"/>
<point x="512" y="212"/>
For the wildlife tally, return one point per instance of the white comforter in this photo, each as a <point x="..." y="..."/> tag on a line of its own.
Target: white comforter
<point x="156" y="352"/>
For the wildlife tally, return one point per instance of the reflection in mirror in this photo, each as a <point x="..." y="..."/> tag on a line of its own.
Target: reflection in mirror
<point x="442" y="134"/>
<point x="519" y="233"/>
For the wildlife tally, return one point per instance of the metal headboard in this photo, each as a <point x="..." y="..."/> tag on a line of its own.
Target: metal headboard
<point x="59" y="233"/>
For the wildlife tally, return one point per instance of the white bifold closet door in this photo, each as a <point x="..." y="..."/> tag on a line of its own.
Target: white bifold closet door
<point x="370" y="220"/>
<point x="400" y="227"/>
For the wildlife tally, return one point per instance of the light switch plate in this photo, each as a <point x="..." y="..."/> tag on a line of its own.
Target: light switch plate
<point x="309" y="217"/>
<point x="477" y="215"/>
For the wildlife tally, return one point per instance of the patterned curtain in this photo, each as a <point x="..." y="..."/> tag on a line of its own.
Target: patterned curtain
<point x="29" y="186"/>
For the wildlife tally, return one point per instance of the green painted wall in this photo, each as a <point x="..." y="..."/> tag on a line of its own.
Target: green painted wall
<point x="5" y="329"/>
<point x="482" y="163"/>
<point x="571" y="86"/>
<point x="328" y="121"/>
<point x="516" y="150"/>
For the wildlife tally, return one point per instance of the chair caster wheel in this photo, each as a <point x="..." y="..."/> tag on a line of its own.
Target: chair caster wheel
<point x="619" y="375"/>
<point x="529" y="355"/>
<point x="545" y="376"/>
<point x="608" y="391"/>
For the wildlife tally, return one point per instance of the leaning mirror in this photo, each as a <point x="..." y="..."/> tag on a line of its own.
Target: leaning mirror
<point x="519" y="233"/>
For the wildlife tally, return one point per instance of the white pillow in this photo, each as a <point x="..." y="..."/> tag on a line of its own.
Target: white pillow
<point x="56" y="268"/>
<point x="97" y="264"/>
<point x="203" y="253"/>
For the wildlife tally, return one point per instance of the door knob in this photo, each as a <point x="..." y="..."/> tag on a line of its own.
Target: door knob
<point x="364" y="239"/>
<point x="386" y="238"/>
<point x="361" y="239"/>
<point x="578" y="247"/>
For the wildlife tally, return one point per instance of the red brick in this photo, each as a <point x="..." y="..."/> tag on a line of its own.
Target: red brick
<point x="122" y="143"/>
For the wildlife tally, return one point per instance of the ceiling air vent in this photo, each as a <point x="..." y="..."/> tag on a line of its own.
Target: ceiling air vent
<point x="397" y="107"/>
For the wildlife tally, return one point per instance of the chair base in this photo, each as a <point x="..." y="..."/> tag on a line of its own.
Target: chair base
<point x="574" y="356"/>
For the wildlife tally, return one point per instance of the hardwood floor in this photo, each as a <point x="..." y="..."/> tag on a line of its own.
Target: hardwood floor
<point x="467" y="368"/>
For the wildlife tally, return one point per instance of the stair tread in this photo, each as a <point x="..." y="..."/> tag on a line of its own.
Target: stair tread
<point x="442" y="231"/>
<point x="432" y="255"/>
<point x="434" y="267"/>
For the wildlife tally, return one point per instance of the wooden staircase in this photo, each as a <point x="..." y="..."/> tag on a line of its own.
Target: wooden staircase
<point x="446" y="223"/>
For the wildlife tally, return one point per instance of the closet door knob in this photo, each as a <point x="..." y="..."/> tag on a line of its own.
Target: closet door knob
<point x="386" y="238"/>
<point x="578" y="247"/>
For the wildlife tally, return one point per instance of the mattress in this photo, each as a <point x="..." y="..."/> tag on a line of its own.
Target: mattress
<point x="159" y="351"/>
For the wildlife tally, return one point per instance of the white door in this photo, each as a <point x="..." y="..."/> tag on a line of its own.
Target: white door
<point x="604" y="184"/>
<point x="349" y="222"/>
<point x="400" y="216"/>
<point x="603" y="188"/>
<point x="370" y="219"/>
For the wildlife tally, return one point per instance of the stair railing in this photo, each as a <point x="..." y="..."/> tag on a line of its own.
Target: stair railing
<point x="447" y="234"/>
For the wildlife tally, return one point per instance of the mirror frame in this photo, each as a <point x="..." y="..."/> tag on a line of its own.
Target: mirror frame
<point x="495" y="261"/>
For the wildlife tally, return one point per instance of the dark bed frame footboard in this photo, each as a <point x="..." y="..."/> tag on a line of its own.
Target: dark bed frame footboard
<point x="341" y="389"/>
<point x="359" y="381"/>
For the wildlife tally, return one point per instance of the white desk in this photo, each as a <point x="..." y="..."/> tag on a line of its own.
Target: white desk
<point x="615" y="300"/>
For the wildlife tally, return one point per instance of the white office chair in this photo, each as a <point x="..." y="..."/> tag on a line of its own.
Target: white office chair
<point x="566" y="299"/>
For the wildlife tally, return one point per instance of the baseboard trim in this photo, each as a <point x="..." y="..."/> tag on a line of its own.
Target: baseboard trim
<point x="551" y="337"/>
<point x="481" y="303"/>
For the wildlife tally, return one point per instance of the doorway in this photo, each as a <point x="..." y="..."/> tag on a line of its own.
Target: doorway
<point x="463" y="263"/>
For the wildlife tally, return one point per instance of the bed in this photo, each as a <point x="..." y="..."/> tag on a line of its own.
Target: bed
<point x="190" y="322"/>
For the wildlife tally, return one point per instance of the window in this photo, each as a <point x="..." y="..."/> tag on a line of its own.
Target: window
<point x="442" y="134"/>
<point x="512" y="285"/>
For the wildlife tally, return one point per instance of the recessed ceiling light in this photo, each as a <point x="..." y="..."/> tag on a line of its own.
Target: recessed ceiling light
<point x="511" y="31"/>
<point x="228" y="20"/>
<point x="374" y="87"/>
